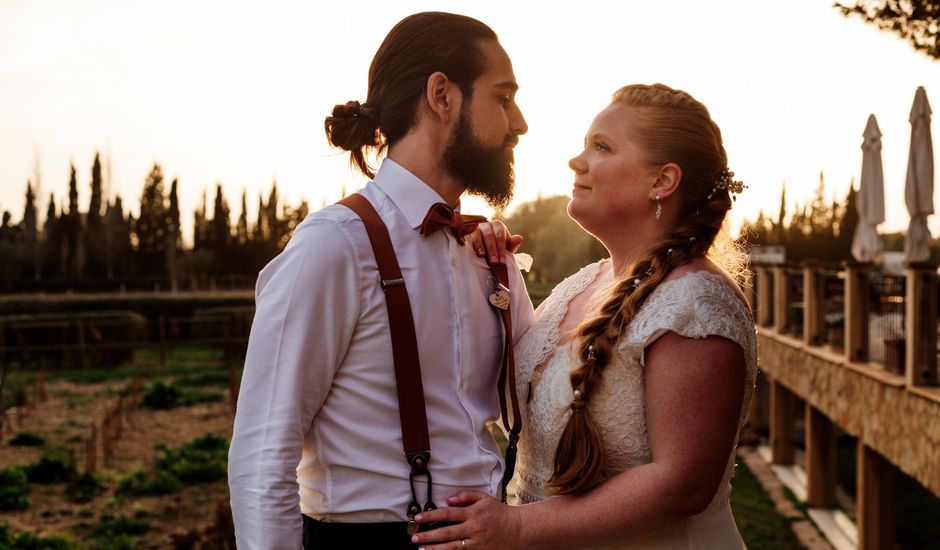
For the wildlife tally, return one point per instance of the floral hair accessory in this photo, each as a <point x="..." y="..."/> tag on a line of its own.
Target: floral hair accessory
<point x="725" y="181"/>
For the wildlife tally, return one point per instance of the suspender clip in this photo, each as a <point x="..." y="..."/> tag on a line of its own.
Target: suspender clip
<point x="392" y="282"/>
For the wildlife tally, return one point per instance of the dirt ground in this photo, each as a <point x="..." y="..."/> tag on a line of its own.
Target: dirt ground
<point x="64" y="420"/>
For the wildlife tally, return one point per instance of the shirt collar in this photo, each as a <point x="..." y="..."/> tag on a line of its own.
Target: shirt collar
<point x="410" y="194"/>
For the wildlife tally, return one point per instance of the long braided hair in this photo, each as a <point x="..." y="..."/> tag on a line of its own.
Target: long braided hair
<point x="672" y="127"/>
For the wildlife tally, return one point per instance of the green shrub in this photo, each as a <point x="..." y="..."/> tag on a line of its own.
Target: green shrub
<point x="160" y="395"/>
<point x="115" y="525"/>
<point x="52" y="467"/>
<point x="85" y="487"/>
<point x="140" y="483"/>
<point x="202" y="460"/>
<point x="193" y="397"/>
<point x="217" y="378"/>
<point x="13" y="489"/>
<point x="117" y="542"/>
<point x="27" y="439"/>
<point x="29" y="541"/>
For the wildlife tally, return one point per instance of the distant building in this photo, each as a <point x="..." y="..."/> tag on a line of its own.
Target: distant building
<point x="771" y="254"/>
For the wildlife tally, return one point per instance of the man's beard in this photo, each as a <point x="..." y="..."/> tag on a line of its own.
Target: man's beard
<point x="485" y="171"/>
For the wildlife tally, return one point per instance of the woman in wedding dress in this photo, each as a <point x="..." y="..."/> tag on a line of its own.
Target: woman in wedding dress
<point x="641" y="366"/>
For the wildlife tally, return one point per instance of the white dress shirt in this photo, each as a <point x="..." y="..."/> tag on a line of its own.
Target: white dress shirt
<point x="318" y="408"/>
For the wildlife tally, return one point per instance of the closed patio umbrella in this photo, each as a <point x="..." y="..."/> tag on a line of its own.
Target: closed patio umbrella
<point x="918" y="190"/>
<point x="867" y="245"/>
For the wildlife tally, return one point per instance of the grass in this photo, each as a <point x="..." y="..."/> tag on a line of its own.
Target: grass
<point x="180" y="362"/>
<point x="14" y="490"/>
<point x="28" y="541"/>
<point x="190" y="367"/>
<point x="760" y="524"/>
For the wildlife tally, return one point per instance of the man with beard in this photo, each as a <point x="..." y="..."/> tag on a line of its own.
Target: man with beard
<point x="318" y="410"/>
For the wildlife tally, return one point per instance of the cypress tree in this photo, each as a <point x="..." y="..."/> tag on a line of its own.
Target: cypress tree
<point x="74" y="245"/>
<point x="151" y="226"/>
<point x="31" y="234"/>
<point x="94" y="226"/>
<point x="173" y="240"/>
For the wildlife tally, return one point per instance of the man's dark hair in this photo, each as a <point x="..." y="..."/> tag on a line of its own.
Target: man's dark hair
<point x="418" y="46"/>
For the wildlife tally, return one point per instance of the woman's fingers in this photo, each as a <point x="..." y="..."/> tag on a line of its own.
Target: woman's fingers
<point x="487" y="233"/>
<point x="491" y="240"/>
<point x="450" y="515"/>
<point x="514" y="242"/>
<point x="458" y="513"/>
<point x="465" y="498"/>
<point x="475" y="242"/>
<point x="442" y="534"/>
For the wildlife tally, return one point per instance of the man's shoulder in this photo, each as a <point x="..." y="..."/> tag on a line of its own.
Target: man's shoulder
<point x="333" y="216"/>
<point x="338" y="217"/>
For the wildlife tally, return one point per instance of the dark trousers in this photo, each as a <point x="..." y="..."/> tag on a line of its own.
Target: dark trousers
<point x="323" y="535"/>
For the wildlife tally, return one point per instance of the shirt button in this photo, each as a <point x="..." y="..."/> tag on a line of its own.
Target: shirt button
<point x="453" y="262"/>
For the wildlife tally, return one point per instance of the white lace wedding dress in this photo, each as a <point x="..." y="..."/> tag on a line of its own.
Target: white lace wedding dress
<point x="695" y="305"/>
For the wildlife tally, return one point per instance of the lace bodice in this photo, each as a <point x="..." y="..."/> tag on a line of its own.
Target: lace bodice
<point x="695" y="305"/>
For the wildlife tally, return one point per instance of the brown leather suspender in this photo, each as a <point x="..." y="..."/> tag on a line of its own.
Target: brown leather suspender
<point x="507" y="372"/>
<point x="414" y="424"/>
<point x="411" y="410"/>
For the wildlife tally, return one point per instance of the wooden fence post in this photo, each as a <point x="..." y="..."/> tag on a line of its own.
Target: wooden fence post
<point x="765" y="297"/>
<point x="91" y="450"/>
<point x="813" y="322"/>
<point x="781" y="297"/>
<point x="82" y="348"/>
<point x="921" y="319"/>
<point x="874" y="508"/>
<point x="162" y="334"/>
<point x="856" y="312"/>
<point x="820" y="459"/>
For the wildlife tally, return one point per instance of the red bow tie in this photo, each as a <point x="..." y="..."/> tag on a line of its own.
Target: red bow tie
<point x="440" y="216"/>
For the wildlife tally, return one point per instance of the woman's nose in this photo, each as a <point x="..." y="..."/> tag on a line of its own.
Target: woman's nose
<point x="577" y="164"/>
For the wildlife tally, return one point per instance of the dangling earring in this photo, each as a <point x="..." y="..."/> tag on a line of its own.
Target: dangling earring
<point x="659" y="208"/>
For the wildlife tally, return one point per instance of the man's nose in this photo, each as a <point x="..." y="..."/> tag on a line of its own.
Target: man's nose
<point x="519" y="125"/>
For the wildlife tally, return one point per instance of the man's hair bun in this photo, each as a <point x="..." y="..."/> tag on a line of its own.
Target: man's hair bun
<point x="352" y="126"/>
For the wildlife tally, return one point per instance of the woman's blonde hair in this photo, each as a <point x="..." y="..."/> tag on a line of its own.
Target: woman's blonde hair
<point x="670" y="126"/>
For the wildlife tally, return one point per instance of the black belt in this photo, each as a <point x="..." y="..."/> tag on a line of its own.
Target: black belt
<point x="326" y="535"/>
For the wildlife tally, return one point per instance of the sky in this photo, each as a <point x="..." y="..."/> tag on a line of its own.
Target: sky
<point x="235" y="92"/>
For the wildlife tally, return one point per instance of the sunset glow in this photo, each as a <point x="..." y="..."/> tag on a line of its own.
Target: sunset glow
<point x="236" y="92"/>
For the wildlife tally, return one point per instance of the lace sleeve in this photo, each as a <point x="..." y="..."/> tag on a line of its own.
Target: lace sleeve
<point x="697" y="305"/>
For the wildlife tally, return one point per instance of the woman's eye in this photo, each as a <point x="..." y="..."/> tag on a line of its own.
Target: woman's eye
<point x="598" y="146"/>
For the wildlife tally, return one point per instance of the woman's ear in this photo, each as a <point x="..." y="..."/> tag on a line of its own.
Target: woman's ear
<point x="442" y="97"/>
<point x="670" y="175"/>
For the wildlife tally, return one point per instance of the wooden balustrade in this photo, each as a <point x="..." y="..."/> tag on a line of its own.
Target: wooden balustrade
<point x="896" y="419"/>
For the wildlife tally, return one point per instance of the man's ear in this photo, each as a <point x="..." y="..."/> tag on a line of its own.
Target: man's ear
<point x="670" y="175"/>
<point x="443" y="97"/>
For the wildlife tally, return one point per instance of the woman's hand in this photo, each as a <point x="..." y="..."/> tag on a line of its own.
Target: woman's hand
<point x="492" y="240"/>
<point x="482" y="523"/>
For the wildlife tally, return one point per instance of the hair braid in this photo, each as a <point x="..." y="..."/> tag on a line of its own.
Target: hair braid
<point x="580" y="456"/>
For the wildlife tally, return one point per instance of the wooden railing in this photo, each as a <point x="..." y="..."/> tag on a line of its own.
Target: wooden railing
<point x="884" y="393"/>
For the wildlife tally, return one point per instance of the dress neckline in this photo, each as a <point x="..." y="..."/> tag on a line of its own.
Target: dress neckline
<point x="550" y="357"/>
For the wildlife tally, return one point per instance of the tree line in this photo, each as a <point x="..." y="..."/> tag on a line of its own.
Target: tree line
<point x="816" y="230"/>
<point x="105" y="247"/>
